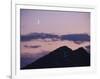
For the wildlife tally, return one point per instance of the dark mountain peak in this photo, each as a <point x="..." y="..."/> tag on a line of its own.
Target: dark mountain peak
<point x="61" y="51"/>
<point x="80" y="50"/>
<point x="65" y="48"/>
<point x="81" y="53"/>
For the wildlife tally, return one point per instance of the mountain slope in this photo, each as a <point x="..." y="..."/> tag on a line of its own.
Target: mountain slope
<point x="62" y="57"/>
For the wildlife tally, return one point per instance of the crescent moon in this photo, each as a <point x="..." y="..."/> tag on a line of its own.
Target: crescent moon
<point x="38" y="21"/>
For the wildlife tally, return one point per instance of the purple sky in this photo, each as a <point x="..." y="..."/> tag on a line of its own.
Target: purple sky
<point x="57" y="22"/>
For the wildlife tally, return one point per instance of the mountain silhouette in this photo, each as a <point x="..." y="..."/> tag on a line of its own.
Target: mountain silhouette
<point x="80" y="57"/>
<point x="76" y="37"/>
<point x="34" y="35"/>
<point x="70" y="37"/>
<point x="62" y="57"/>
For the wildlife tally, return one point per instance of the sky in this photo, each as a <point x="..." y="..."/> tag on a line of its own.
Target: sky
<point x="55" y="22"/>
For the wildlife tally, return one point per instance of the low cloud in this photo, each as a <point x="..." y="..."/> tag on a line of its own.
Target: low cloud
<point x="35" y="46"/>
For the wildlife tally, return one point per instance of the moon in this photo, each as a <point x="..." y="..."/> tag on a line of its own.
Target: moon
<point x="38" y="20"/>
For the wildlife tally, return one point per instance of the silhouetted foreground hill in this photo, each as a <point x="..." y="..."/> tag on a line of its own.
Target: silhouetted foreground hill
<point x="62" y="57"/>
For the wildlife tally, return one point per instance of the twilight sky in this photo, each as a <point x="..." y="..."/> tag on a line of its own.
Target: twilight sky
<point x="56" y="22"/>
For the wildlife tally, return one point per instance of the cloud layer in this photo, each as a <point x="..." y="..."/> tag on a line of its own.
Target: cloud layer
<point x="54" y="37"/>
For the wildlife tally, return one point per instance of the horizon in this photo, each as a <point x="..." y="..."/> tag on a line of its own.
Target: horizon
<point x="54" y="33"/>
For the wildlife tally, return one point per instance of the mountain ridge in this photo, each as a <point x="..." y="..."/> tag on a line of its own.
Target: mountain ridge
<point x="62" y="57"/>
<point x="71" y="37"/>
